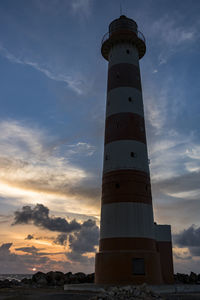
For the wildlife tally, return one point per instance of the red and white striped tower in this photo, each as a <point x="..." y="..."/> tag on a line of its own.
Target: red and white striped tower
<point x="127" y="250"/>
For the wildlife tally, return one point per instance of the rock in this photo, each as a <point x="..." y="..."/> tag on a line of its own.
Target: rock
<point x="5" y="283"/>
<point x="193" y="278"/>
<point x="40" y="278"/>
<point x="90" y="278"/>
<point x="80" y="277"/>
<point x="67" y="278"/>
<point x="26" y="281"/>
<point x="182" y="278"/>
<point x="15" y="282"/>
<point x="55" y="278"/>
<point x="128" y="293"/>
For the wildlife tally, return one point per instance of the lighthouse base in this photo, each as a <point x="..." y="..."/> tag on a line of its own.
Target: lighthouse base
<point x="128" y="267"/>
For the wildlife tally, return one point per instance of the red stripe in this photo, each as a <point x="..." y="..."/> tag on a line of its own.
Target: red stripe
<point x="126" y="186"/>
<point x="120" y="75"/>
<point x="116" y="244"/>
<point x="116" y="267"/>
<point x="125" y="126"/>
<point x="165" y="250"/>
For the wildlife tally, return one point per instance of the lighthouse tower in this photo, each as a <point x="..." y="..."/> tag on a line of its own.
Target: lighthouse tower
<point x="132" y="249"/>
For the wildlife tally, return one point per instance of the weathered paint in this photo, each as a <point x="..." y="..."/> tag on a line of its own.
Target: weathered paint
<point x="124" y="75"/>
<point x="126" y="186"/>
<point x="166" y="261"/>
<point x="124" y="99"/>
<point x="126" y="219"/>
<point x="125" y="126"/>
<point x="115" y="267"/>
<point x="163" y="233"/>
<point x="127" y="244"/>
<point x="117" y="156"/>
<point x="123" y="53"/>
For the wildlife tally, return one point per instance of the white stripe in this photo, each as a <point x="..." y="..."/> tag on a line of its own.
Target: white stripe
<point x="119" y="55"/>
<point x="118" y="101"/>
<point x="117" y="155"/>
<point x="128" y="219"/>
<point x="163" y="233"/>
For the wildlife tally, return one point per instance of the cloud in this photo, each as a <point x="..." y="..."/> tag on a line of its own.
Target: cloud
<point x="86" y="238"/>
<point x="61" y="239"/>
<point x="11" y="262"/>
<point x="36" y="165"/>
<point x="189" y="238"/>
<point x="173" y="35"/>
<point x="29" y="237"/>
<point x="77" y="82"/>
<point x="81" y="238"/>
<point x="81" y="7"/>
<point x="39" y="216"/>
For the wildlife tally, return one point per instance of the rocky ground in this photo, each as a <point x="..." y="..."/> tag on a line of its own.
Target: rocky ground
<point x="49" y="286"/>
<point x="128" y="292"/>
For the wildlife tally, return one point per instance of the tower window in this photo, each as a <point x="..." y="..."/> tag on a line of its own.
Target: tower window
<point x="129" y="99"/>
<point x="127" y="51"/>
<point x="133" y="154"/>
<point x="138" y="266"/>
<point x="106" y="157"/>
<point x="117" y="75"/>
<point x="117" y="185"/>
<point x="146" y="187"/>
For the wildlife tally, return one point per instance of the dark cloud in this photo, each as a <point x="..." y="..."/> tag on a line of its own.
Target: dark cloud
<point x="31" y="249"/>
<point x="182" y="183"/>
<point x="34" y="257"/>
<point x="81" y="242"/>
<point x="189" y="238"/>
<point x="5" y="247"/>
<point x="84" y="241"/>
<point x="61" y="239"/>
<point x="86" y="238"/>
<point x="29" y="237"/>
<point x="39" y="216"/>
<point x="82" y="238"/>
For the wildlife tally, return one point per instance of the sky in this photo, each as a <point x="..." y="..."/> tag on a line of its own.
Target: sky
<point x="53" y="92"/>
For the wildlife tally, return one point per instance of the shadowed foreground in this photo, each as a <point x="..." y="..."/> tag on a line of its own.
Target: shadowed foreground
<point x="59" y="294"/>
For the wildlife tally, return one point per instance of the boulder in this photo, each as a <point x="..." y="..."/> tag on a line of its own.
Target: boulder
<point x="55" y="278"/>
<point x="67" y="278"/>
<point x="90" y="278"/>
<point x="80" y="277"/>
<point x="182" y="278"/>
<point x="193" y="278"/>
<point x="26" y="281"/>
<point x="128" y="293"/>
<point x="5" y="283"/>
<point x="40" y="278"/>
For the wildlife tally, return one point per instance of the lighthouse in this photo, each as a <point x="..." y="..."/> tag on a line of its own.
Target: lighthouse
<point x="133" y="249"/>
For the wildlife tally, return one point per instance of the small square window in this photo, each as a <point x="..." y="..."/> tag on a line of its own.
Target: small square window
<point x="129" y="99"/>
<point x="117" y="75"/>
<point x="127" y="51"/>
<point x="138" y="266"/>
<point x="117" y="186"/>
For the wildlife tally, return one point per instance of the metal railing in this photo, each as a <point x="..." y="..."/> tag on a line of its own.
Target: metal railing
<point x="139" y="34"/>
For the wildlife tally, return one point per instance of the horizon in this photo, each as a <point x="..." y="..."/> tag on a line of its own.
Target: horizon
<point x="53" y="85"/>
